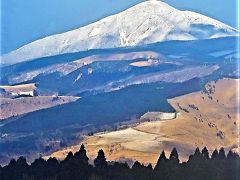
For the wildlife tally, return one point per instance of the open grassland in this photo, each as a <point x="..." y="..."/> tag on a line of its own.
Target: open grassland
<point x="208" y="118"/>
<point x="19" y="88"/>
<point x="19" y="106"/>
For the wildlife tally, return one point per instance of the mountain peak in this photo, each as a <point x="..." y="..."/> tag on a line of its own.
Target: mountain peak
<point x="151" y="6"/>
<point x="153" y="3"/>
<point x="144" y="23"/>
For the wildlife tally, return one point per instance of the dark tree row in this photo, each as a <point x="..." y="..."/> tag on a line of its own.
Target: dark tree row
<point x="76" y="167"/>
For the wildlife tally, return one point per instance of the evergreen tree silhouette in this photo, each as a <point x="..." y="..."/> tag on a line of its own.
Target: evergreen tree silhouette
<point x="68" y="168"/>
<point x="149" y="166"/>
<point x="195" y="157"/>
<point x="81" y="156"/>
<point x="69" y="157"/>
<point x="221" y="154"/>
<point x="214" y="155"/>
<point x="197" y="154"/>
<point x="21" y="167"/>
<point x="38" y="169"/>
<point x="52" y="165"/>
<point x="76" y="167"/>
<point x="174" y="156"/>
<point x="119" y="171"/>
<point x="218" y="164"/>
<point x="101" y="163"/>
<point x="136" y="165"/>
<point x="205" y="153"/>
<point x="12" y="163"/>
<point x="161" y="161"/>
<point x="10" y="171"/>
<point x="139" y="171"/>
<point x="232" y="156"/>
<point x="232" y="166"/>
<point x="197" y="164"/>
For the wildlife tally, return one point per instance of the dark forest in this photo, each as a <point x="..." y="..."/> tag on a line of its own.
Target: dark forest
<point x="218" y="166"/>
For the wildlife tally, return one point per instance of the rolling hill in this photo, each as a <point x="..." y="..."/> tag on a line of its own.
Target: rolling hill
<point x="197" y="126"/>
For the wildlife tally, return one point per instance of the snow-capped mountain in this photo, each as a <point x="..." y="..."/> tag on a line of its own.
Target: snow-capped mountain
<point x="147" y="22"/>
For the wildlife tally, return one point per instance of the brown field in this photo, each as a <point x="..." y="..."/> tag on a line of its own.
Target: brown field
<point x="142" y="63"/>
<point x="15" y="107"/>
<point x="19" y="88"/>
<point x="206" y="119"/>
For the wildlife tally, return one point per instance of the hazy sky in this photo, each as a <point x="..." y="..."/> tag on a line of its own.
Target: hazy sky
<point x="24" y="21"/>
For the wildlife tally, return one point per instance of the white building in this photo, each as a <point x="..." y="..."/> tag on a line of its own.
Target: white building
<point x="27" y="93"/>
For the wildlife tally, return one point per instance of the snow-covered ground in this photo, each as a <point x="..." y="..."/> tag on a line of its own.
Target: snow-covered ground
<point x="147" y="22"/>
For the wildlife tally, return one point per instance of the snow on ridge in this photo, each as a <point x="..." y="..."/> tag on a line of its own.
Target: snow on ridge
<point x="69" y="67"/>
<point x="147" y="22"/>
<point x="178" y="76"/>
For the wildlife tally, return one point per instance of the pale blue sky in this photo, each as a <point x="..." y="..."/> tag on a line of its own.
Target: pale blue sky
<point x="24" y="21"/>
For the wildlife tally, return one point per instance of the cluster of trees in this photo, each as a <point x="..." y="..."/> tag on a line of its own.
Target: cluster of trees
<point x="75" y="166"/>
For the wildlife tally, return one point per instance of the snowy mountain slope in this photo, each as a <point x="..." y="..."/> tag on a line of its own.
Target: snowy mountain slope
<point x="111" y="69"/>
<point x="147" y="22"/>
<point x="67" y="68"/>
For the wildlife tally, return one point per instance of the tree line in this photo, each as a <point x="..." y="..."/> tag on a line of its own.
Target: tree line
<point x="200" y="165"/>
